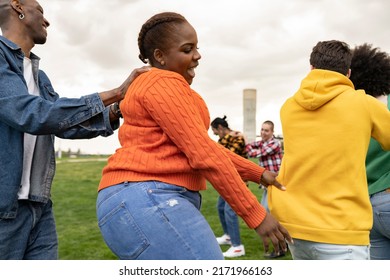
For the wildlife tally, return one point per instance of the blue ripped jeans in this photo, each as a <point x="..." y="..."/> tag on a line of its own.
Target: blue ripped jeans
<point x="155" y="221"/>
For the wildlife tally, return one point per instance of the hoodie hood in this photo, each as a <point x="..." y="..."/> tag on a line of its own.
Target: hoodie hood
<point x="321" y="86"/>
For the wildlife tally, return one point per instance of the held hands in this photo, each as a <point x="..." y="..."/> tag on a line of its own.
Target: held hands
<point x="269" y="178"/>
<point x="271" y="229"/>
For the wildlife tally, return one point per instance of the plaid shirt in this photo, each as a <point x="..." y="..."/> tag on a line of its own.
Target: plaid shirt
<point x="269" y="153"/>
<point x="236" y="144"/>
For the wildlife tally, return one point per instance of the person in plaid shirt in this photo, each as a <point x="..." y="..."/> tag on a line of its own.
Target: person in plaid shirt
<point x="269" y="151"/>
<point x="235" y="142"/>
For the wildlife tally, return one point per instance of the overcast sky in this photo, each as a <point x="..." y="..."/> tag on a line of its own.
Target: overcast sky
<point x="258" y="44"/>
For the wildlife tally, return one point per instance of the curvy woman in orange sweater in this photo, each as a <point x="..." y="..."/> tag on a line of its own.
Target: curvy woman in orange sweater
<point x="148" y="204"/>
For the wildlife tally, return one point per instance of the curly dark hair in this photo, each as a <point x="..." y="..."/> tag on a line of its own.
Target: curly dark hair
<point x="370" y="70"/>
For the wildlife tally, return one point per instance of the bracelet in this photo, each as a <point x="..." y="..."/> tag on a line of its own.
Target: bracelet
<point x="115" y="110"/>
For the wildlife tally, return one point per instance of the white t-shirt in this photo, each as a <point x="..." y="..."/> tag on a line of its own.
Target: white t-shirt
<point x="29" y="140"/>
<point x="382" y="98"/>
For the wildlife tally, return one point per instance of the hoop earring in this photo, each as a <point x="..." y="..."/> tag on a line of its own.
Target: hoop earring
<point x="21" y="16"/>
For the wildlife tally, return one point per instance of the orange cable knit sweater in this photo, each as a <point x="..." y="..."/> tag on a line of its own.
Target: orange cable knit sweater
<point x="164" y="137"/>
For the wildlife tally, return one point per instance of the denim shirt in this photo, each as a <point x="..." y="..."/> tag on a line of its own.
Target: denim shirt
<point x="46" y="116"/>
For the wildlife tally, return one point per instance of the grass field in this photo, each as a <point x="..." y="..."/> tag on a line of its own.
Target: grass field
<point x="74" y="196"/>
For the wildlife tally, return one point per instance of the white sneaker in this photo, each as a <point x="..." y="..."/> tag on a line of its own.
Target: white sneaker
<point x="224" y="240"/>
<point x="235" y="252"/>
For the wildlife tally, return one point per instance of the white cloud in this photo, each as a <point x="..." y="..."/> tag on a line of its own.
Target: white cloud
<point x="92" y="46"/>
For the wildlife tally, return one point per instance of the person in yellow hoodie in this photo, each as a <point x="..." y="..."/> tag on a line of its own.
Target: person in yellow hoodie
<point x="327" y="126"/>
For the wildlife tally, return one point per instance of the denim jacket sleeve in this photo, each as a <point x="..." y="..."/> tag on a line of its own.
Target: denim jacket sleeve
<point x="84" y="117"/>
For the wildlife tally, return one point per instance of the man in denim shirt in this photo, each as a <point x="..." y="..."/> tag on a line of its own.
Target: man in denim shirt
<point x="31" y="115"/>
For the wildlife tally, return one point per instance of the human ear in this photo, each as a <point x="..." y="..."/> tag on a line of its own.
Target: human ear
<point x="15" y="4"/>
<point x="159" y="56"/>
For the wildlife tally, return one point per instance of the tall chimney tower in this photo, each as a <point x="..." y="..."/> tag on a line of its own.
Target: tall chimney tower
<point x="250" y="114"/>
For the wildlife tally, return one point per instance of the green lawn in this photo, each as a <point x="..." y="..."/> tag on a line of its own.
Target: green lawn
<point x="74" y="196"/>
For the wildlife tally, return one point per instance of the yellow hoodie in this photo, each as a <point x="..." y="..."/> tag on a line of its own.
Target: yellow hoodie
<point x="327" y="127"/>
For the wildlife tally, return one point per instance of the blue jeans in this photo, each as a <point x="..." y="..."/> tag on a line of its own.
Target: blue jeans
<point x="229" y="221"/>
<point x="380" y="233"/>
<point x="31" y="235"/>
<point x="264" y="199"/>
<point x="308" y="250"/>
<point x="155" y="221"/>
